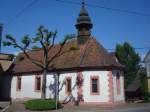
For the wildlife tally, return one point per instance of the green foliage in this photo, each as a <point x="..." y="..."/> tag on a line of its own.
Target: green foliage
<point x="26" y="40"/>
<point x="67" y="38"/>
<point x="74" y="47"/>
<point x="10" y="38"/>
<point x="130" y="59"/>
<point x="40" y="104"/>
<point x="35" y="47"/>
<point x="7" y="43"/>
<point x="143" y="82"/>
<point x="11" y="56"/>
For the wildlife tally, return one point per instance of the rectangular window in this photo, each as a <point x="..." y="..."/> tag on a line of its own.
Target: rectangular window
<point x="68" y="85"/>
<point x="95" y="85"/>
<point x="118" y="83"/>
<point x="37" y="83"/>
<point x="18" y="83"/>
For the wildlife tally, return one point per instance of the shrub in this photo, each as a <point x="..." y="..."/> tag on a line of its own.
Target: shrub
<point x="41" y="104"/>
<point x="147" y="97"/>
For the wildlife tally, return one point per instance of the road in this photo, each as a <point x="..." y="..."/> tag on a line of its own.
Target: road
<point x="144" y="107"/>
<point x="127" y="108"/>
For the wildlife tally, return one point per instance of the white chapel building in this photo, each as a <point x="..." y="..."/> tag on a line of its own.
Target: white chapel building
<point x="90" y="73"/>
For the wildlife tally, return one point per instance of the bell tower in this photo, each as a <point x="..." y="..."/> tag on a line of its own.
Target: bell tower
<point x="83" y="25"/>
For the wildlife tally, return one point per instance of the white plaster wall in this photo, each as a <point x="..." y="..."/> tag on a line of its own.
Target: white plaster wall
<point x="103" y="87"/>
<point x="27" y="88"/>
<point x="28" y="81"/>
<point x="118" y="97"/>
<point x="50" y="86"/>
<point x="62" y="94"/>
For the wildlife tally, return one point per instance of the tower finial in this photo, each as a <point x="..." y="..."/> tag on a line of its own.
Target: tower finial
<point x="83" y="25"/>
<point x="83" y="3"/>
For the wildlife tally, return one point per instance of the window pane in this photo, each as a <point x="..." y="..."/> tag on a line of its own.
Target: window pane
<point x="38" y="83"/>
<point x="94" y="85"/>
<point x="19" y="83"/>
<point x="68" y="85"/>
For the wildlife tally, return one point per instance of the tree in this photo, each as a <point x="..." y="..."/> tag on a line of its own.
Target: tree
<point x="130" y="59"/>
<point x="143" y="82"/>
<point x="44" y="39"/>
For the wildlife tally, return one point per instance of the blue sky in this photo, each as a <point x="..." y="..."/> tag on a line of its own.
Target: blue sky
<point x="110" y="27"/>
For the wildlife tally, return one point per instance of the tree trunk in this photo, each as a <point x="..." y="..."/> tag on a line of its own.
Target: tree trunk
<point x="43" y="95"/>
<point x="45" y="70"/>
<point x="58" y="85"/>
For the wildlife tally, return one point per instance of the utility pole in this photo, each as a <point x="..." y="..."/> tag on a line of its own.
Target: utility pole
<point x="1" y="30"/>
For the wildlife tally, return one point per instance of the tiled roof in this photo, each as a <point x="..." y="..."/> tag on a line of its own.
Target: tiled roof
<point x="5" y="62"/>
<point x="134" y="86"/>
<point x="90" y="55"/>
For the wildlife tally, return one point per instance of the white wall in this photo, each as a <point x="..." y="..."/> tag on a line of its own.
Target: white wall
<point x="103" y="81"/>
<point x="27" y="88"/>
<point x="28" y="82"/>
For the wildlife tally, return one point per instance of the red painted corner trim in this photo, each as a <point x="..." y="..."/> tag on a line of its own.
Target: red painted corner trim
<point x="111" y="88"/>
<point x="80" y="87"/>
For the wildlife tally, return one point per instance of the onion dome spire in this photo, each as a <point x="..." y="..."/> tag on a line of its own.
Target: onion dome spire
<point x="83" y="24"/>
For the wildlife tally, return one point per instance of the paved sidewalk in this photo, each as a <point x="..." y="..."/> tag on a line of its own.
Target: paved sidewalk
<point x="143" y="107"/>
<point x="3" y="105"/>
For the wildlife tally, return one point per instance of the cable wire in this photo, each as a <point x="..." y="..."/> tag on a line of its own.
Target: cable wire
<point x="107" y="8"/>
<point x="22" y="11"/>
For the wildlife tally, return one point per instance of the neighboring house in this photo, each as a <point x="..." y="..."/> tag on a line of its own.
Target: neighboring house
<point x="133" y="90"/>
<point x="89" y="74"/>
<point x="5" y="76"/>
<point x="147" y="64"/>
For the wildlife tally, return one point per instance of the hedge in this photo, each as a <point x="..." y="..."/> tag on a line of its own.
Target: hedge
<point x="41" y="104"/>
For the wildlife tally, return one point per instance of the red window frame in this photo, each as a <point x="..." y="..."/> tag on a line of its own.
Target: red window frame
<point x="92" y="78"/>
<point x="68" y="87"/>
<point x="38" y="83"/>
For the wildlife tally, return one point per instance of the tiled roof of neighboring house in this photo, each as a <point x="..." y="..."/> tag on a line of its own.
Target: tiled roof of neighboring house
<point x="134" y="86"/>
<point x="5" y="62"/>
<point x="89" y="55"/>
<point x="4" y="56"/>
